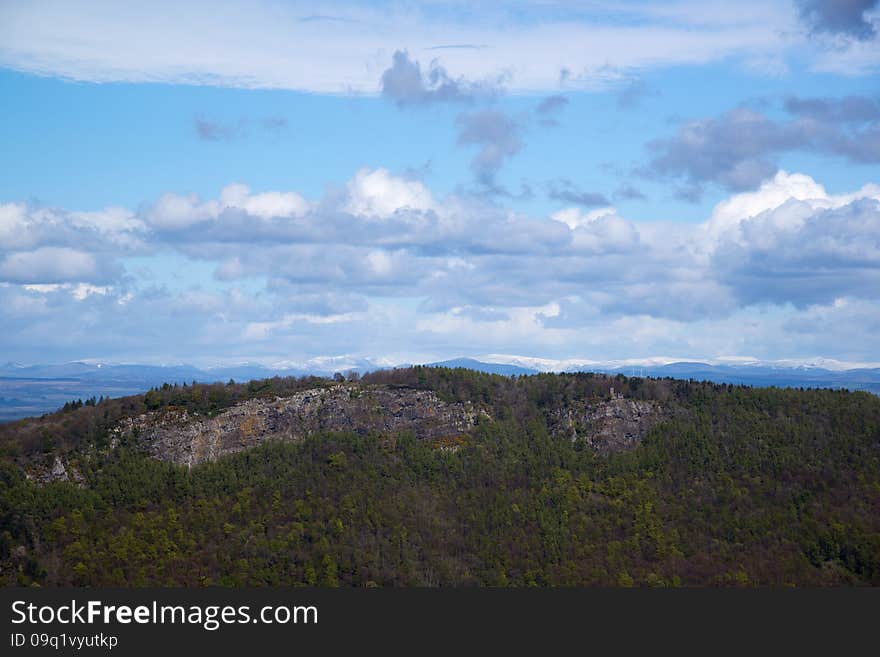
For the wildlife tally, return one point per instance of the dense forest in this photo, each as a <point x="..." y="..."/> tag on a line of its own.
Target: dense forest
<point x="735" y="486"/>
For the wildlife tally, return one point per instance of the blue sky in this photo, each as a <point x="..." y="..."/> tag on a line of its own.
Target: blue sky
<point x="267" y="181"/>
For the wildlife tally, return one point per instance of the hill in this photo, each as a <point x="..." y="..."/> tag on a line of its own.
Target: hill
<point x="27" y="390"/>
<point x="431" y="476"/>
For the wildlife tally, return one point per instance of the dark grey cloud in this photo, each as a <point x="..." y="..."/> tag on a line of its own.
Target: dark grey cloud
<point x="498" y="136"/>
<point x="848" y="127"/>
<point x="490" y="189"/>
<point x="566" y="191"/>
<point x="548" y="108"/>
<point x="633" y="93"/>
<point x="208" y="129"/>
<point x="850" y="109"/>
<point x="689" y="192"/>
<point x="737" y="150"/>
<point x="845" y="17"/>
<point x="861" y="146"/>
<point x="552" y="104"/>
<point x="273" y="123"/>
<point x="405" y="83"/>
<point x="740" y="148"/>
<point x="629" y="192"/>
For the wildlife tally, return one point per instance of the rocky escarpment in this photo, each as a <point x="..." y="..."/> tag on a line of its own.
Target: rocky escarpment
<point x="181" y="437"/>
<point x="606" y="425"/>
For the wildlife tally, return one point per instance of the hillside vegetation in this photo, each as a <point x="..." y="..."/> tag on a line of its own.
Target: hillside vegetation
<point x="732" y="486"/>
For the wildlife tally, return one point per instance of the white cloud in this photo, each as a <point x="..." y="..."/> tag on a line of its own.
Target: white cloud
<point x="13" y="223"/>
<point x="180" y="212"/>
<point x="576" y="217"/>
<point x="175" y="212"/>
<point x="600" y="230"/>
<point x="263" y="43"/>
<point x="78" y="291"/>
<point x="380" y="262"/>
<point x="83" y="290"/>
<point x="256" y="331"/>
<point x="44" y="288"/>
<point x="230" y="269"/>
<point x="520" y="324"/>
<point x="24" y="226"/>
<point x="773" y="193"/>
<point x="852" y="58"/>
<point x="110" y="221"/>
<point x="376" y="193"/>
<point x="266" y="205"/>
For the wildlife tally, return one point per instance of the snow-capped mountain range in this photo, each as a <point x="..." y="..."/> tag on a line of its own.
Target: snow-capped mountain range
<point x="38" y="388"/>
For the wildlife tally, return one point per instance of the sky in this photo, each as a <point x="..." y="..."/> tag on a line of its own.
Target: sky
<point x="277" y="182"/>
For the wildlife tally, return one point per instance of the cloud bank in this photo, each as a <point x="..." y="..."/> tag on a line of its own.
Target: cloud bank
<point x="386" y="267"/>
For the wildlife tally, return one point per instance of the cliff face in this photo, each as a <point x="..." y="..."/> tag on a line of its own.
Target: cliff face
<point x="606" y="426"/>
<point x="184" y="438"/>
<point x="189" y="439"/>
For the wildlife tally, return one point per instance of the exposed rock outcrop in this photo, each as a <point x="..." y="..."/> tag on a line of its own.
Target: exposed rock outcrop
<point x="171" y="434"/>
<point x="60" y="470"/>
<point x="606" y="425"/>
<point x="175" y="435"/>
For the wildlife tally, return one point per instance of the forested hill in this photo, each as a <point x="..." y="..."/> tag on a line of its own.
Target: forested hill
<point x="434" y="476"/>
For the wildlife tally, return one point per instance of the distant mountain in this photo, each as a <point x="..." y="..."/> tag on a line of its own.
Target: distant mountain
<point x="784" y="374"/>
<point x="488" y="368"/>
<point x="752" y="375"/>
<point x="183" y="373"/>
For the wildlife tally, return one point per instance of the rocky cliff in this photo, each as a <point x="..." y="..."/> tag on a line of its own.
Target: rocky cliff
<point x="605" y="425"/>
<point x="181" y="437"/>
